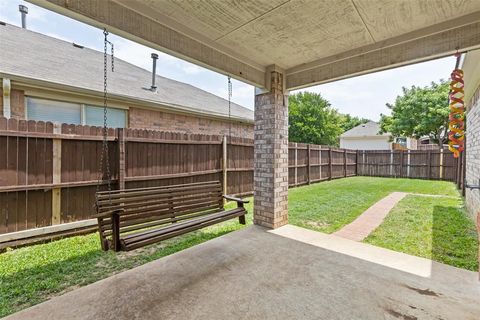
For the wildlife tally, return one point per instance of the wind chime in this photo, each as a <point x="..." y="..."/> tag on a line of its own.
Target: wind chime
<point x="456" y="127"/>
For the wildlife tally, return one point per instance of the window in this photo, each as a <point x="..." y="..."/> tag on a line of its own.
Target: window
<point x="73" y="113"/>
<point x="116" y="118"/>
<point x="54" y="111"/>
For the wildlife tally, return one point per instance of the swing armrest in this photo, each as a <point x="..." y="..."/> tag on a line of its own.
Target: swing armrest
<point x="239" y="201"/>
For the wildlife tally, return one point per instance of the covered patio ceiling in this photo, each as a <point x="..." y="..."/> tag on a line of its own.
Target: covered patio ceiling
<point x="313" y="41"/>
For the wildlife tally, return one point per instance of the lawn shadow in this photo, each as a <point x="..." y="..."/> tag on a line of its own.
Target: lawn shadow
<point x="454" y="238"/>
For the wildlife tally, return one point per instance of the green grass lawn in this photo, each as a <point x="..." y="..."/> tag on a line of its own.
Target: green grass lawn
<point x="33" y="274"/>
<point x="429" y="227"/>
<point x="328" y="206"/>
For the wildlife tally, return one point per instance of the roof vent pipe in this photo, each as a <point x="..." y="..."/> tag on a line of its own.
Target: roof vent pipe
<point x="154" y="71"/>
<point x="24" y="11"/>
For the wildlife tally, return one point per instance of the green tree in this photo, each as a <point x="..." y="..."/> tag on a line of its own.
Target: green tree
<point x="348" y="122"/>
<point x="312" y="119"/>
<point x="419" y="112"/>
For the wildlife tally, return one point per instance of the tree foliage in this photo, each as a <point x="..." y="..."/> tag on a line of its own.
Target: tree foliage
<point x="313" y="120"/>
<point x="419" y="112"/>
<point x="348" y="122"/>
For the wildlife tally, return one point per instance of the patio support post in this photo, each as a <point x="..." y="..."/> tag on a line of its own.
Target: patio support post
<point x="271" y="152"/>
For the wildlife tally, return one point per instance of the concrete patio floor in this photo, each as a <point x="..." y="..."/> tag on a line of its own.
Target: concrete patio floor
<point x="289" y="273"/>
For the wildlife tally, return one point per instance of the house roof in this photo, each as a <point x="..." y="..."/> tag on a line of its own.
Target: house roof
<point x="28" y="55"/>
<point x="369" y="129"/>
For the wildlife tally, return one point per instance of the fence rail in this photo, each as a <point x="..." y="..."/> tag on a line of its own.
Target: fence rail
<point x="49" y="173"/>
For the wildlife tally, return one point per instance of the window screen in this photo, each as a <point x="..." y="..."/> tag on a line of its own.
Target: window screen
<point x="116" y="118"/>
<point x="54" y="111"/>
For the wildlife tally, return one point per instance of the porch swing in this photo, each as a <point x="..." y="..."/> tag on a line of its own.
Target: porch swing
<point x="133" y="218"/>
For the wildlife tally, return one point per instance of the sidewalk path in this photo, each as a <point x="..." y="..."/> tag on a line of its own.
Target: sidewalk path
<point x="369" y="220"/>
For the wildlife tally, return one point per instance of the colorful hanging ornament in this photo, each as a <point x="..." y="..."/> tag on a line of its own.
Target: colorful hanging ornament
<point x="456" y="134"/>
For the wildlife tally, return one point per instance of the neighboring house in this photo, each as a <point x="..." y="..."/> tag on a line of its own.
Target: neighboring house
<point x="366" y="136"/>
<point x="426" y="143"/>
<point x="48" y="79"/>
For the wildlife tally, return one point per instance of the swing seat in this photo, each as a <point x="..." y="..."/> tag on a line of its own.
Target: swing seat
<point x="133" y="218"/>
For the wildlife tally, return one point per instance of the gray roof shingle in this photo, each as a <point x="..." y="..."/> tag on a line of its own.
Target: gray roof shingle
<point x="31" y="55"/>
<point x="369" y="129"/>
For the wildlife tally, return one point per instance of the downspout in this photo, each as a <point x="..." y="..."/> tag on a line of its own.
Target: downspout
<point x="6" y="98"/>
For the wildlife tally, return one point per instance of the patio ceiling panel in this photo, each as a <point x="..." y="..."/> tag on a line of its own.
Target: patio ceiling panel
<point x="299" y="32"/>
<point x="314" y="41"/>
<point x="395" y="17"/>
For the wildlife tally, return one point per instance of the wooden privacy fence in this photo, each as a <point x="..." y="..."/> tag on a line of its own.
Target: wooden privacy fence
<point x="418" y="164"/>
<point x="49" y="173"/>
<point x="308" y="163"/>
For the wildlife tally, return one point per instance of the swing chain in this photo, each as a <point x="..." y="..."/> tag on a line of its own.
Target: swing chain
<point x="229" y="107"/>
<point x="104" y="159"/>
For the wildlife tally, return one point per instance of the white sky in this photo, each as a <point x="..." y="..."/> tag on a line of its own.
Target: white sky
<point x="363" y="96"/>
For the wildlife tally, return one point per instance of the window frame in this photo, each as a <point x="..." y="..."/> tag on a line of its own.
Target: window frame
<point x="83" y="108"/>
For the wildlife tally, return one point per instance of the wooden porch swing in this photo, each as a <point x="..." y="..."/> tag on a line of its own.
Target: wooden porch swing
<point x="133" y="218"/>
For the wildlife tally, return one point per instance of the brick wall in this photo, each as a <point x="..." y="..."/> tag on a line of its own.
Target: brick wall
<point x="17" y="104"/>
<point x="152" y="119"/>
<point x="158" y="120"/>
<point x="472" y="176"/>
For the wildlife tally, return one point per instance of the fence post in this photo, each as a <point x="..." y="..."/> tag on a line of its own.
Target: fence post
<point x="459" y="170"/>
<point x="391" y="163"/>
<point x="329" y="163"/>
<point x="320" y="162"/>
<point x="308" y="163"/>
<point x="441" y="164"/>
<point x="345" y="163"/>
<point x="356" y="162"/>
<point x="429" y="164"/>
<point x="363" y="163"/>
<point x="224" y="165"/>
<point x="121" y="158"/>
<point x="296" y="164"/>
<point x="408" y="163"/>
<point x="56" y="176"/>
<point x="400" y="172"/>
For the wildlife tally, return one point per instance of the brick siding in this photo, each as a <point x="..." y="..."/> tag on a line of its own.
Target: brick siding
<point x="17" y="104"/>
<point x="153" y="119"/>
<point x="158" y="120"/>
<point x="472" y="176"/>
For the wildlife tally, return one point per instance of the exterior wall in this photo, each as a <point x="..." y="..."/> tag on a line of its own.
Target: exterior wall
<point x="381" y="143"/>
<point x="147" y="118"/>
<point x="472" y="174"/>
<point x="17" y="104"/>
<point x="165" y="121"/>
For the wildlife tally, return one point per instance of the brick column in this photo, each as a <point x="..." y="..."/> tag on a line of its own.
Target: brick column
<point x="271" y="154"/>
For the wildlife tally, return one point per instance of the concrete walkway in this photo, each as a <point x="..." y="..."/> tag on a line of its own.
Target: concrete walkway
<point x="288" y="273"/>
<point x="369" y="220"/>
